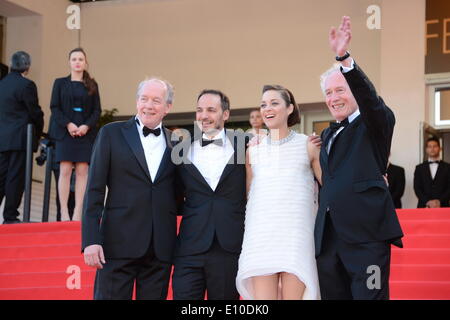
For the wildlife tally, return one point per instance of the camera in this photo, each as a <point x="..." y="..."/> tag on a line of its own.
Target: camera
<point x="43" y="149"/>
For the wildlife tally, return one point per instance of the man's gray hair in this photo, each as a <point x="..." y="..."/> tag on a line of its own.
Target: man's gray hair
<point x="20" y="62"/>
<point x="169" y="88"/>
<point x="323" y="78"/>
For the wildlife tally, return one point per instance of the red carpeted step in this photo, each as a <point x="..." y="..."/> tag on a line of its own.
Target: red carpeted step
<point x="420" y="256"/>
<point x="40" y="251"/>
<point x="425" y="226"/>
<point x="419" y="290"/>
<point x="44" y="279"/>
<point x="40" y="227"/>
<point x="420" y="214"/>
<point x="38" y="237"/>
<point x="427" y="241"/>
<point x="53" y="264"/>
<point x="420" y="272"/>
<point x="47" y="293"/>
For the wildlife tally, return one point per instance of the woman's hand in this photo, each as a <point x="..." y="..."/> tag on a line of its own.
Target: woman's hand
<point x="82" y="130"/>
<point x="315" y="140"/>
<point x="72" y="129"/>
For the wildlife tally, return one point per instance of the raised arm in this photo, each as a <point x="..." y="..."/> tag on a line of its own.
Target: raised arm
<point x="377" y="117"/>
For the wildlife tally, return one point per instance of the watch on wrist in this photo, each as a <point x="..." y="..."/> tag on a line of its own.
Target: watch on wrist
<point x="345" y="56"/>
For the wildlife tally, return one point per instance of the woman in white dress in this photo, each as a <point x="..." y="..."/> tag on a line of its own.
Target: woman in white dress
<point x="277" y="259"/>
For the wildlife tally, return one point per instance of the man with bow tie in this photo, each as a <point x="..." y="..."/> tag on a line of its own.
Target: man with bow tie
<point x="356" y="221"/>
<point x="432" y="178"/>
<point x="212" y="228"/>
<point x="131" y="237"/>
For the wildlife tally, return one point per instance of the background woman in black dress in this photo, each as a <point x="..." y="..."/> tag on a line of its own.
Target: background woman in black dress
<point x="75" y="107"/>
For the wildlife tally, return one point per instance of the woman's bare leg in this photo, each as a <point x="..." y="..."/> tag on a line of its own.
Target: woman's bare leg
<point x="291" y="287"/>
<point x="266" y="287"/>
<point x="81" y="175"/>
<point x="65" y="172"/>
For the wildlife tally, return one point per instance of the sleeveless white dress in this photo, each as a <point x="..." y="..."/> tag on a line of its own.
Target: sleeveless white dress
<point x="280" y="216"/>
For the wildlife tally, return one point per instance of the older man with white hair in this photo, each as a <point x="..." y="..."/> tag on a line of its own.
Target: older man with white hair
<point x="131" y="236"/>
<point x="356" y="221"/>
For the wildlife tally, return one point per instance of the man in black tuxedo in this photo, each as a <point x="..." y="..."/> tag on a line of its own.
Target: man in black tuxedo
<point x="432" y="178"/>
<point x="356" y="221"/>
<point x="211" y="232"/>
<point x="396" y="179"/>
<point x="19" y="106"/>
<point x="131" y="236"/>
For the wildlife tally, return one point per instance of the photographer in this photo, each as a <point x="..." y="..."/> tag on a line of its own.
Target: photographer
<point x="19" y="106"/>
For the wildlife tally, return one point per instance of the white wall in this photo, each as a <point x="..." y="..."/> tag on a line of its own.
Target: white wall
<point x="402" y="82"/>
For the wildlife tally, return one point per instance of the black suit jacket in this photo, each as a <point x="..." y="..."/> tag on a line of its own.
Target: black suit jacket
<point x="428" y="189"/>
<point x="137" y="210"/>
<point x="207" y="213"/>
<point x="353" y="189"/>
<point x="396" y="179"/>
<point x="3" y="70"/>
<point x="61" y="105"/>
<point x="19" y="106"/>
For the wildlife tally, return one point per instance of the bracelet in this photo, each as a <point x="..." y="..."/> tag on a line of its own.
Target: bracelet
<point x="345" y="56"/>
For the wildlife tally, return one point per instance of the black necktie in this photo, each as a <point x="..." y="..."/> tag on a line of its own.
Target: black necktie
<point x="334" y="126"/>
<point x="431" y="162"/>
<point x="146" y="131"/>
<point x="217" y="142"/>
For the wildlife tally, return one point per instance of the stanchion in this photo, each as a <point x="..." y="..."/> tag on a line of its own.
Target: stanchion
<point x="47" y="184"/>
<point x="28" y="174"/>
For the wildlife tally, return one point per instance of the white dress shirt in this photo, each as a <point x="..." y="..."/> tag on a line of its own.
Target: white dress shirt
<point x="154" y="147"/>
<point x="211" y="159"/>
<point x="433" y="168"/>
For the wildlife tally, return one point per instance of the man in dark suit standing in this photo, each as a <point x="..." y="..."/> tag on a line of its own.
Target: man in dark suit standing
<point x="212" y="228"/>
<point x="396" y="179"/>
<point x="3" y="70"/>
<point x="432" y="178"/>
<point x="19" y="106"/>
<point x="356" y="221"/>
<point x="131" y="236"/>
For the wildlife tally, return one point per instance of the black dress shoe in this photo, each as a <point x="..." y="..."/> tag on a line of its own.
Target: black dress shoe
<point x="12" y="221"/>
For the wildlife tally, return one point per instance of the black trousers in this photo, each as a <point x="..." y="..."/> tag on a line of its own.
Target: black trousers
<point x="353" y="271"/>
<point x="116" y="280"/>
<point x="213" y="272"/>
<point x="12" y="182"/>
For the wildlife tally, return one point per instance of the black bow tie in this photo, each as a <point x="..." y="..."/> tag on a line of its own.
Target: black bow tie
<point x="431" y="162"/>
<point x="146" y="131"/>
<point x="217" y="142"/>
<point x="334" y="126"/>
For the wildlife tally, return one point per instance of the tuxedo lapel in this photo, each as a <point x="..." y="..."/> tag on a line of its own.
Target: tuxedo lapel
<point x="167" y="153"/>
<point x="233" y="159"/>
<point x="439" y="170"/>
<point x="191" y="168"/>
<point x="131" y="135"/>
<point x="344" y="140"/>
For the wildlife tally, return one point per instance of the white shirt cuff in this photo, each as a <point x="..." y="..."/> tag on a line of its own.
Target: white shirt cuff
<point x="347" y="69"/>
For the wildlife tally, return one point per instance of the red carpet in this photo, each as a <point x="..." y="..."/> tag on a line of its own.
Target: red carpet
<point x="36" y="260"/>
